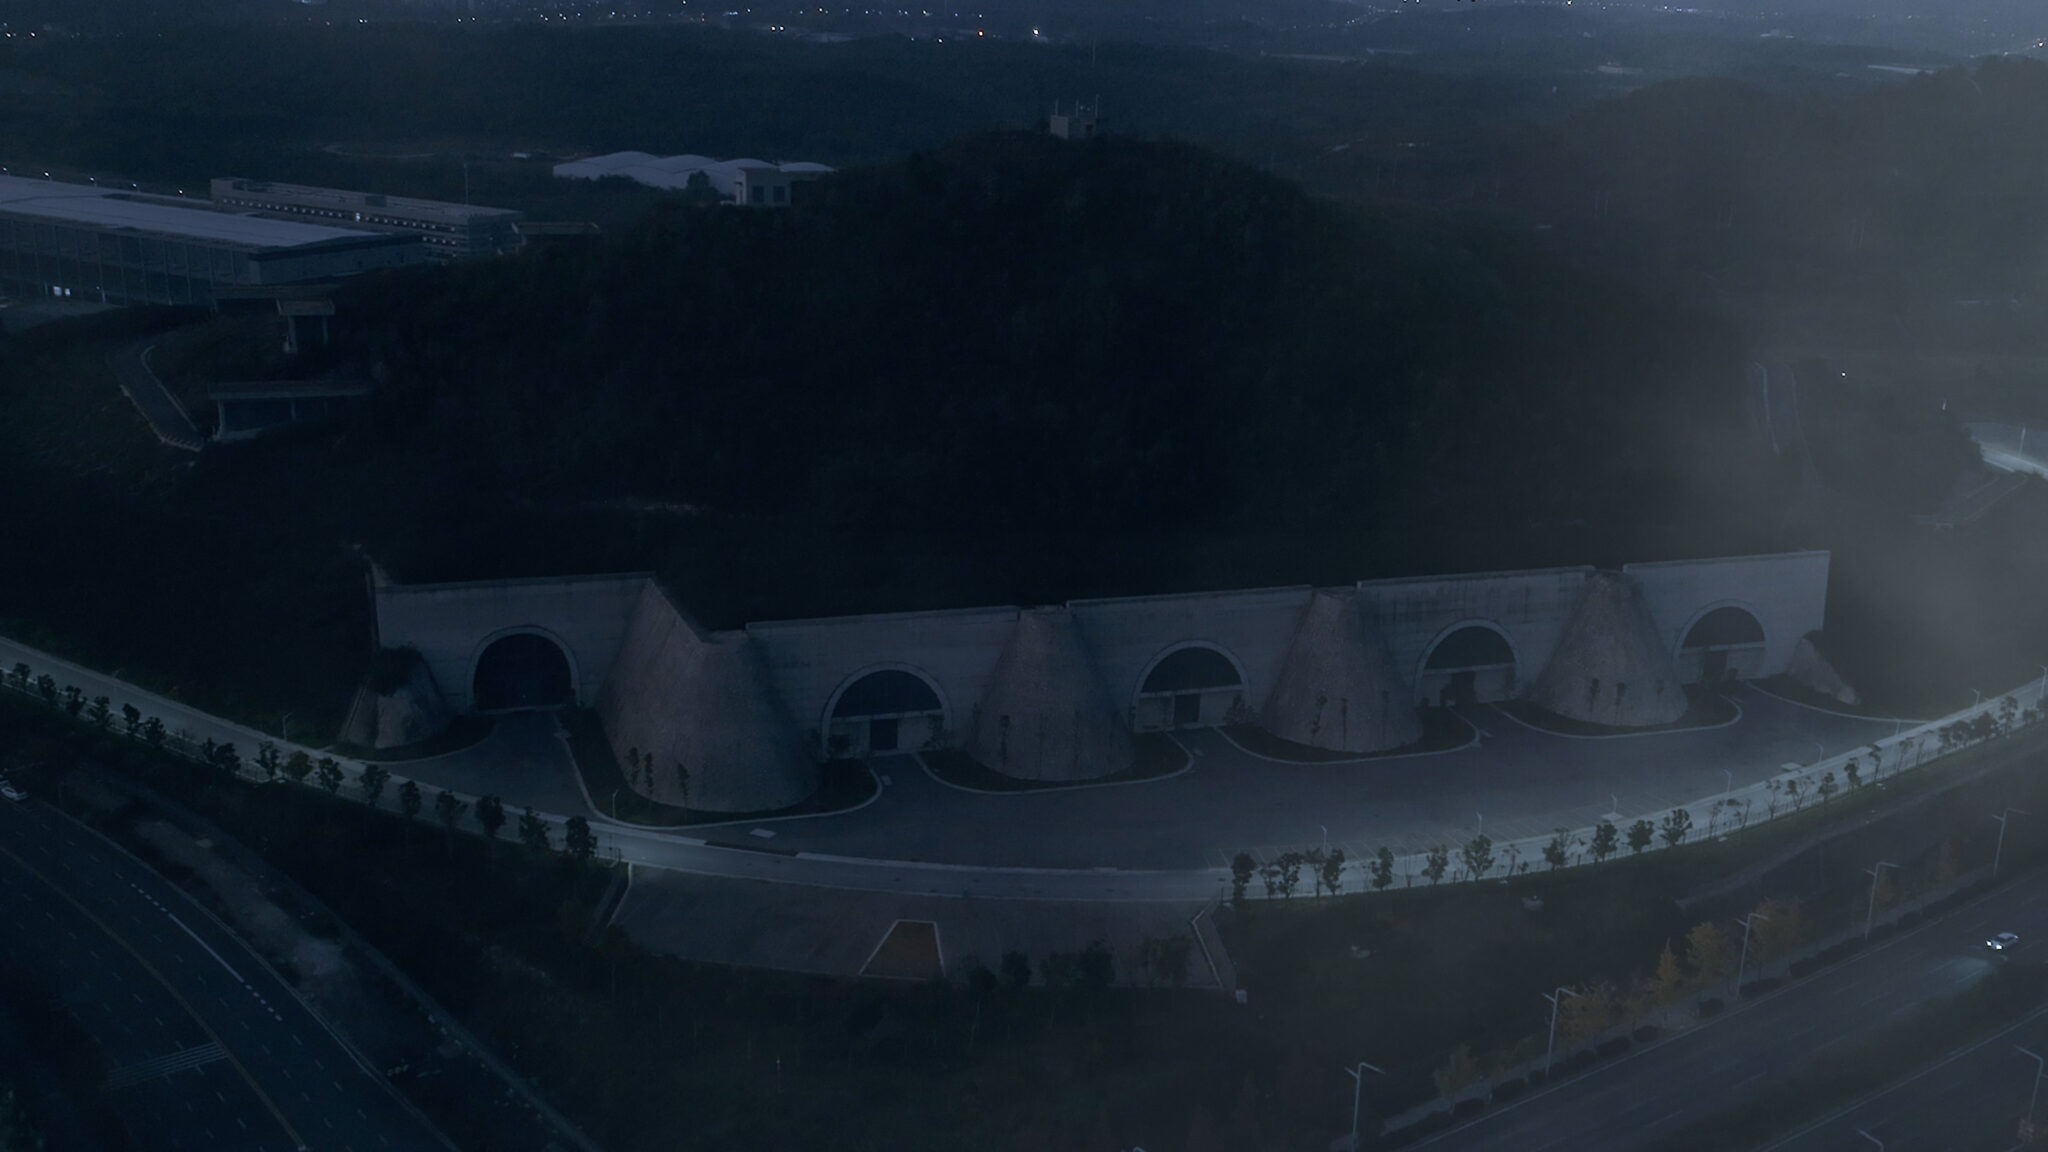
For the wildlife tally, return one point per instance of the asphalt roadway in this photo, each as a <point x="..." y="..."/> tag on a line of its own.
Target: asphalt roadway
<point x="204" y="1047"/>
<point x="1717" y="1066"/>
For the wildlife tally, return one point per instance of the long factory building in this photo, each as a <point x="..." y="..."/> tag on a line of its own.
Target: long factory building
<point x="102" y="245"/>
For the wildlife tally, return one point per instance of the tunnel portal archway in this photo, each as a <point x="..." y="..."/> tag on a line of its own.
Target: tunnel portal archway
<point x="521" y="671"/>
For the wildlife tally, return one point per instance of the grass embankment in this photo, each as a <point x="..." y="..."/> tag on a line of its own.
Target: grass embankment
<point x="1703" y="709"/>
<point x="638" y="1047"/>
<point x="1441" y="730"/>
<point x="1877" y="1058"/>
<point x="1157" y="755"/>
<point x="842" y="784"/>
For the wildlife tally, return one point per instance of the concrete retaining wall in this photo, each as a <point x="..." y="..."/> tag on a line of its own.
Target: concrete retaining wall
<point x="452" y="624"/>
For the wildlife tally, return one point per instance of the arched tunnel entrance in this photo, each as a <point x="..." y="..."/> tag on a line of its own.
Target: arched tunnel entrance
<point x="522" y="671"/>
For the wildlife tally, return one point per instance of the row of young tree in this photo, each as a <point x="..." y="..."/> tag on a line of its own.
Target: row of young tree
<point x="271" y="765"/>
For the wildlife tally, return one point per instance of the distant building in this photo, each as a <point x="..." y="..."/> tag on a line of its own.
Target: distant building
<point x="756" y="183"/>
<point x="449" y="231"/>
<point x="1079" y="124"/>
<point x="83" y="242"/>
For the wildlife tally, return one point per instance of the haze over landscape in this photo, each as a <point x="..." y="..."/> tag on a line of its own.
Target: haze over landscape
<point x="1218" y="576"/>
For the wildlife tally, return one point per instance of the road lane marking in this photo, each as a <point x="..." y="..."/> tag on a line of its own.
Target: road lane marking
<point x="177" y="996"/>
<point x="209" y="949"/>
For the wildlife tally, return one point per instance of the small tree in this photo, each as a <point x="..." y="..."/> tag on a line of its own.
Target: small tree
<point x="1854" y="771"/>
<point x="1290" y="872"/>
<point x="1241" y="868"/>
<point x="1606" y="838"/>
<point x="449" y="810"/>
<point x="17" y="677"/>
<point x="578" y="841"/>
<point x="46" y="687"/>
<point x="682" y="783"/>
<point x="228" y="759"/>
<point x="1640" y="834"/>
<point x="533" y="831"/>
<point x="1016" y="969"/>
<point x="1382" y="868"/>
<point x="131" y="716"/>
<point x="1669" y="982"/>
<point x="1949" y="864"/>
<point x="1713" y="954"/>
<point x="1558" y="850"/>
<point x="1677" y="823"/>
<point x="1827" y="786"/>
<point x="1780" y="927"/>
<point x="409" y="799"/>
<point x="74" y="700"/>
<point x="1477" y="856"/>
<point x="490" y="815"/>
<point x="153" y="733"/>
<point x="1269" y="877"/>
<point x="1460" y="1068"/>
<point x="100" y="712"/>
<point x="372" y="782"/>
<point x="328" y="773"/>
<point x="268" y="760"/>
<point x="298" y="766"/>
<point x="1333" y="872"/>
<point x="1434" y="864"/>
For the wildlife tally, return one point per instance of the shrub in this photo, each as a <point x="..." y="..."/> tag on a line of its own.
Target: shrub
<point x="1612" y="1047"/>
<point x="1709" y="1007"/>
<point x="1509" y="1089"/>
<point x="1884" y="931"/>
<point x="1464" y="1108"/>
<point x="1911" y="919"/>
<point x="1645" y="1033"/>
<point x="1581" y="1060"/>
<point x="1756" y="988"/>
<point x="1801" y="969"/>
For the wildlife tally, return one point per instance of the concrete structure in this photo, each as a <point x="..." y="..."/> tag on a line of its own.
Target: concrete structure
<point x="1339" y="687"/>
<point x="1609" y="666"/>
<point x="1079" y="124"/>
<point x="700" y="714"/>
<point x="449" y="231"/>
<point x="83" y="242"/>
<point x="583" y="619"/>
<point x="755" y="183"/>
<point x="861" y="685"/>
<point x="251" y="409"/>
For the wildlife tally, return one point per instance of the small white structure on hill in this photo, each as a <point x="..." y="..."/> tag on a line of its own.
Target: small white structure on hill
<point x="748" y="181"/>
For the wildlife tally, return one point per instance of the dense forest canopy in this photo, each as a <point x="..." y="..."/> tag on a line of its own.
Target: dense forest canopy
<point x="1019" y="337"/>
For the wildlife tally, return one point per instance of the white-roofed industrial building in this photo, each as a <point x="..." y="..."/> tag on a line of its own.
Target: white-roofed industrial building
<point x="450" y="231"/>
<point x="82" y="242"/>
<point x="746" y="180"/>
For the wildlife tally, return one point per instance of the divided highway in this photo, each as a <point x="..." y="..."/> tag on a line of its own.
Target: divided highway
<point x="205" y="1048"/>
<point x="1717" y="1066"/>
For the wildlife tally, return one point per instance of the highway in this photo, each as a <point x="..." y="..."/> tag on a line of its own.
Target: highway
<point x="1716" y="1067"/>
<point x="204" y="1048"/>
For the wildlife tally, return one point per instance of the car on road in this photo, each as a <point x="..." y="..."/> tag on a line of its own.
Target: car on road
<point x="2003" y="942"/>
<point x="8" y="789"/>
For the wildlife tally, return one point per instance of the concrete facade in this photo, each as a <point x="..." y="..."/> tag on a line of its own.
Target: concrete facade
<point x="851" y="686"/>
<point x="452" y="624"/>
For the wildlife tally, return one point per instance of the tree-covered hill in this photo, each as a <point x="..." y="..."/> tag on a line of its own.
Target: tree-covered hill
<point x="1018" y="338"/>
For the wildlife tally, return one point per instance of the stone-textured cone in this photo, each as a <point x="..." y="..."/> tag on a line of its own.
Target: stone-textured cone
<point x="1812" y="669"/>
<point x="413" y="711"/>
<point x="1338" y="687"/>
<point x="1609" y="666"/>
<point x="704" y="703"/>
<point x="1046" y="714"/>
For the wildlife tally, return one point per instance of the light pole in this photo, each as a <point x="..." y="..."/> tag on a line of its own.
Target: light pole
<point x="1550" y="1049"/>
<point x="1820" y="751"/>
<point x="615" y="803"/>
<point x="285" y="725"/>
<point x="1872" y="1139"/>
<point x="1999" y="852"/>
<point x="2040" y="1072"/>
<point x="1743" y="963"/>
<point x="1482" y="822"/>
<point x="1358" y="1086"/>
<point x="1976" y="697"/>
<point x="1326" y="838"/>
<point x="1870" y="917"/>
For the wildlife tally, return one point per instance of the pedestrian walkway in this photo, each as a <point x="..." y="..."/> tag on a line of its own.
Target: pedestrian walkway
<point x="167" y="418"/>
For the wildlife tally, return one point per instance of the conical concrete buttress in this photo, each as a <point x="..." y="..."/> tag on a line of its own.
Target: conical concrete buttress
<point x="1046" y="714"/>
<point x="1610" y="666"/>
<point x="1339" y="688"/>
<point x="704" y="705"/>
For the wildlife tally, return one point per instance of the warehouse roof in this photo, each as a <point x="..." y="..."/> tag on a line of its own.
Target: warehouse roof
<point x="344" y="200"/>
<point x="165" y="216"/>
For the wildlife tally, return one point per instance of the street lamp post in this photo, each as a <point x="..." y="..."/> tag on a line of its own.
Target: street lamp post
<point x="1357" y="1087"/>
<point x="1742" y="964"/>
<point x="1326" y="838"/>
<point x="1730" y="774"/>
<point x="2040" y="1072"/>
<point x="1550" y="1050"/>
<point x="1999" y="852"/>
<point x="615" y="803"/>
<point x="1820" y="751"/>
<point x="1482" y="822"/>
<point x="1870" y="917"/>
<point x="284" y="725"/>
<point x="1872" y="1139"/>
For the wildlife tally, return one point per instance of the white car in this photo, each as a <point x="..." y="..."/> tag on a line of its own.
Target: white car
<point x="8" y="790"/>
<point x="2002" y="942"/>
